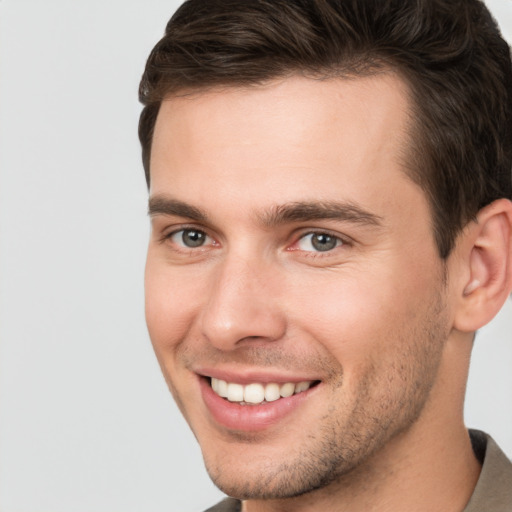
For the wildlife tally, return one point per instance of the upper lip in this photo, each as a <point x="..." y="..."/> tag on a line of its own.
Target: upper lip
<point x="251" y="375"/>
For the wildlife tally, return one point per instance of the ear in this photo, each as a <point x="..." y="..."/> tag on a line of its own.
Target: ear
<point x="485" y="252"/>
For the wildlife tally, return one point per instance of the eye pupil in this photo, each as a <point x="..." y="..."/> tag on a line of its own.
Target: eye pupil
<point x="323" y="242"/>
<point x="193" y="238"/>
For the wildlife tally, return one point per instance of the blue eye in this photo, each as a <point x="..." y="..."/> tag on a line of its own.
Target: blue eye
<point x="318" y="242"/>
<point x="190" y="238"/>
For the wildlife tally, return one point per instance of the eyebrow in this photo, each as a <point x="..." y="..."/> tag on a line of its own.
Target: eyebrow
<point x="160" y="205"/>
<point x="306" y="211"/>
<point x="277" y="215"/>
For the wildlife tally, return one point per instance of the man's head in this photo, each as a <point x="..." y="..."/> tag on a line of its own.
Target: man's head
<point x="310" y="167"/>
<point x="449" y="52"/>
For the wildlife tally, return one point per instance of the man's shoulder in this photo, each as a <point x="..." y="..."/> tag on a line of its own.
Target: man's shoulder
<point x="226" y="505"/>
<point x="493" y="491"/>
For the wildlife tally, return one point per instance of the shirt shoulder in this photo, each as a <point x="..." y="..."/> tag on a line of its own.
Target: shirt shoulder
<point x="226" y="505"/>
<point x="493" y="491"/>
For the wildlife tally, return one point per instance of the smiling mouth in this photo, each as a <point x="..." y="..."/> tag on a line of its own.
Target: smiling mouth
<point x="256" y="393"/>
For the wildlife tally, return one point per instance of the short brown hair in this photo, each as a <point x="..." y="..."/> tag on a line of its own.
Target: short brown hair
<point x="450" y="52"/>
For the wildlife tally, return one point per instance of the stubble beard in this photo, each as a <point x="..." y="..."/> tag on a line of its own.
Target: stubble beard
<point x="337" y="451"/>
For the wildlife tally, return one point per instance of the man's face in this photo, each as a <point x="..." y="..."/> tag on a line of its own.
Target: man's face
<point x="288" y="246"/>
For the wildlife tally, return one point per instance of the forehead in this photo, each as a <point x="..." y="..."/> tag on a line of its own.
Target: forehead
<point x="298" y="136"/>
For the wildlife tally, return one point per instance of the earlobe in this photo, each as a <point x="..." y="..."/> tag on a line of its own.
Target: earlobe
<point x="487" y="247"/>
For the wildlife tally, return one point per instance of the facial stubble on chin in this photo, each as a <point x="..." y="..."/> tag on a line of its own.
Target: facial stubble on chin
<point x="337" y="452"/>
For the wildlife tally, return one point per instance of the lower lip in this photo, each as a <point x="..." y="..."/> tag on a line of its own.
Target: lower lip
<point x="250" y="418"/>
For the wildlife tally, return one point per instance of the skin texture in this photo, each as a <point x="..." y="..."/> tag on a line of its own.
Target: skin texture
<point x="372" y="319"/>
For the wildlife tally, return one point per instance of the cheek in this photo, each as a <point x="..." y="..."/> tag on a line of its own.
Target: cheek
<point x="170" y="303"/>
<point x="358" y="317"/>
<point x="170" y="309"/>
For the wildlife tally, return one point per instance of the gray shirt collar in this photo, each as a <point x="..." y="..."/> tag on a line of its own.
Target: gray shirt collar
<point x="493" y="491"/>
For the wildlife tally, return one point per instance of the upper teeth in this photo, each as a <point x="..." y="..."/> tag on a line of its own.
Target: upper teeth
<point x="257" y="393"/>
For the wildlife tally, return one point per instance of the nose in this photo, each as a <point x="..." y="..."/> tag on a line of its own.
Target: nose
<point x="243" y="305"/>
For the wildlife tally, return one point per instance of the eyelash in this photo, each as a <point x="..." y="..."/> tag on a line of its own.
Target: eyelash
<point x="169" y="237"/>
<point x="339" y="242"/>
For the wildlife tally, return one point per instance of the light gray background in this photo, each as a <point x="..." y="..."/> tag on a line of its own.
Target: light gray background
<point x="86" y="421"/>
